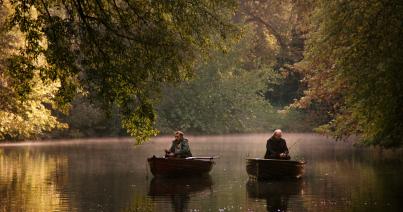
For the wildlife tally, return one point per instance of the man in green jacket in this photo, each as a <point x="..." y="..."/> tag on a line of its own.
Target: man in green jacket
<point x="179" y="148"/>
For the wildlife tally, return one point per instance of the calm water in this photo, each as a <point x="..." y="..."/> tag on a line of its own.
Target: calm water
<point x="112" y="175"/>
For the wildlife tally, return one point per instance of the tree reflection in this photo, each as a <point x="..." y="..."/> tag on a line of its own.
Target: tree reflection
<point x="276" y="193"/>
<point x="178" y="190"/>
<point x="31" y="181"/>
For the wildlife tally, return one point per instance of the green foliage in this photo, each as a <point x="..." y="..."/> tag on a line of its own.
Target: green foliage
<point x="29" y="116"/>
<point x="226" y="96"/>
<point x="354" y="64"/>
<point x="118" y="51"/>
<point x="293" y="120"/>
<point x="280" y="29"/>
<point x="87" y="118"/>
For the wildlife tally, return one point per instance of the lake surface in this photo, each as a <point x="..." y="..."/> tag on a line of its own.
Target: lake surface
<point x="112" y="175"/>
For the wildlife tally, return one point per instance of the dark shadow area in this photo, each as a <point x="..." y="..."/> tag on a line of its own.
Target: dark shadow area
<point x="276" y="193"/>
<point x="178" y="190"/>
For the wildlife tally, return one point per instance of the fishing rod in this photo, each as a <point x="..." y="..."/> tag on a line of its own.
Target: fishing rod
<point x="289" y="148"/>
<point x="296" y="157"/>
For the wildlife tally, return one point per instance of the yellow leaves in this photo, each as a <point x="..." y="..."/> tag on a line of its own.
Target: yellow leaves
<point x="32" y="123"/>
<point x="32" y="117"/>
<point x="118" y="48"/>
<point x="271" y="41"/>
<point x="167" y="17"/>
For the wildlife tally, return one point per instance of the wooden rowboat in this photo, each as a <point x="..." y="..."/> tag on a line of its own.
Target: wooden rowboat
<point x="265" y="169"/>
<point x="176" y="167"/>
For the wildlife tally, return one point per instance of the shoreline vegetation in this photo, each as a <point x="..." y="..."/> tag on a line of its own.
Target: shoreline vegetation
<point x="291" y="137"/>
<point x="93" y="69"/>
<point x="167" y="138"/>
<point x="158" y="138"/>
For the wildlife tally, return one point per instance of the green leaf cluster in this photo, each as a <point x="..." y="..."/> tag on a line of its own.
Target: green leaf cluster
<point x="226" y="95"/>
<point x="353" y="62"/>
<point x="118" y="52"/>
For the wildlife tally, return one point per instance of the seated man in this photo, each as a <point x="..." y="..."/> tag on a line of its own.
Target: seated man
<point x="276" y="148"/>
<point x="179" y="148"/>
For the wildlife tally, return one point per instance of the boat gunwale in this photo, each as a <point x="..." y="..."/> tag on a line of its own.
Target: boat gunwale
<point x="180" y="159"/>
<point x="296" y="162"/>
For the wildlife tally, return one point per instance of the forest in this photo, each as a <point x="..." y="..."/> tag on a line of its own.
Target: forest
<point x="81" y="68"/>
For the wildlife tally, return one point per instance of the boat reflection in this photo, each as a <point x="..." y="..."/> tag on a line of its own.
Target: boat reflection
<point x="276" y="193"/>
<point x="179" y="190"/>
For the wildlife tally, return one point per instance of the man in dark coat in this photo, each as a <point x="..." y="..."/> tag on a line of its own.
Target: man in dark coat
<point x="276" y="147"/>
<point x="180" y="147"/>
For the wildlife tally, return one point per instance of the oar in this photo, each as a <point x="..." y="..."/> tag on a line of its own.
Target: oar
<point x="204" y="157"/>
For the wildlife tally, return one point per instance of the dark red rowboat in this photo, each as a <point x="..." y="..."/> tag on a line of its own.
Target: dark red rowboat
<point x="265" y="169"/>
<point x="173" y="167"/>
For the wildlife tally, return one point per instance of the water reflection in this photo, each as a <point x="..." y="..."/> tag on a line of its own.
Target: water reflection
<point x="32" y="181"/>
<point x="112" y="175"/>
<point x="276" y="193"/>
<point x="179" y="190"/>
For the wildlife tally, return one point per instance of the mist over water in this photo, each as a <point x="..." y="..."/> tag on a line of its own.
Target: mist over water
<point x="112" y="175"/>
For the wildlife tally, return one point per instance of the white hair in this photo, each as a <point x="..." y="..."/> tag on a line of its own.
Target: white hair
<point x="277" y="131"/>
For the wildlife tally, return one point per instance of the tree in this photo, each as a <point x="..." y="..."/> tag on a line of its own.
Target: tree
<point x="33" y="116"/>
<point x="353" y="66"/>
<point x="225" y="96"/>
<point x="281" y="29"/>
<point x="118" y="52"/>
<point x="86" y="118"/>
<point x="7" y="45"/>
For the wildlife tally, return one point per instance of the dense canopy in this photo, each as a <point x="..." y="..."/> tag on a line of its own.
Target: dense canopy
<point x="207" y="66"/>
<point x="117" y="51"/>
<point x="353" y="66"/>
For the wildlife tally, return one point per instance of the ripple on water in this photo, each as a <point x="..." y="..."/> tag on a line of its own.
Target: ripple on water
<point x="111" y="175"/>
